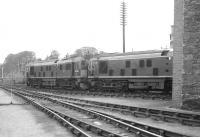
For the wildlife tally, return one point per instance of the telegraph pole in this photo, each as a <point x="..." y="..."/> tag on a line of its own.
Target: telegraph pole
<point x="2" y="74"/>
<point x="11" y="88"/>
<point x="123" y="22"/>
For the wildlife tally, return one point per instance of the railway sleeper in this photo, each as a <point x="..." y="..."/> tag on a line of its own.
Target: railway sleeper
<point x="168" y="113"/>
<point x="111" y="135"/>
<point x="156" y="117"/>
<point x="139" y="109"/>
<point x="156" y="131"/>
<point x="77" y="133"/>
<point x="86" y="126"/>
<point x="76" y="122"/>
<point x="140" y="114"/>
<point x="170" y="134"/>
<point x="188" y="116"/>
<point x="125" y="112"/>
<point x="190" y="122"/>
<point x="95" y="129"/>
<point x="171" y="119"/>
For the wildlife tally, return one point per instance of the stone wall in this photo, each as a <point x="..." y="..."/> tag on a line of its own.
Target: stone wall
<point x="186" y="47"/>
<point x="177" y="53"/>
<point x="191" y="48"/>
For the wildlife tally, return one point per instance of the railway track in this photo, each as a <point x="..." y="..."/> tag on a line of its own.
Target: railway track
<point x="163" y="115"/>
<point x="166" y="116"/>
<point x="75" y="130"/>
<point x="110" y="94"/>
<point x="125" y="95"/>
<point x="130" y="129"/>
<point x="150" y="129"/>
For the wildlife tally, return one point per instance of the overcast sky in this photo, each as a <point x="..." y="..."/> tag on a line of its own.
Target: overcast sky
<point x="66" y="25"/>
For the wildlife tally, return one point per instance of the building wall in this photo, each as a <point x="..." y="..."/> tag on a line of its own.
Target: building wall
<point x="186" y="45"/>
<point x="177" y="53"/>
<point x="191" y="48"/>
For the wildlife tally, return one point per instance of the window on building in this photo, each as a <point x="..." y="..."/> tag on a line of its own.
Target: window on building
<point x="60" y="67"/>
<point x="47" y="68"/>
<point x="155" y="71"/>
<point x="51" y="74"/>
<point x="122" y="72"/>
<point x="103" y="67"/>
<point x="141" y="63"/>
<point x="43" y="74"/>
<point x="149" y="63"/>
<point x="68" y="67"/>
<point x="167" y="70"/>
<point x="134" y="72"/>
<point x="111" y="72"/>
<point x="41" y="68"/>
<point x="128" y="64"/>
<point x="39" y="74"/>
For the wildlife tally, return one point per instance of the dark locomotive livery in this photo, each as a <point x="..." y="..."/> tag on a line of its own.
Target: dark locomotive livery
<point x="143" y="70"/>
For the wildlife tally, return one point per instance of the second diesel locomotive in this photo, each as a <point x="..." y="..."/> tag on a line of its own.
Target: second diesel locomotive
<point x="142" y="70"/>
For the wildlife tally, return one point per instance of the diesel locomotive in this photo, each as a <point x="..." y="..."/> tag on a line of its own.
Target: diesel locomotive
<point x="143" y="70"/>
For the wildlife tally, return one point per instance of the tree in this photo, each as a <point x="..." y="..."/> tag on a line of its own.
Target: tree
<point x="17" y="62"/>
<point x="54" y="55"/>
<point x="38" y="59"/>
<point x="67" y="56"/>
<point x="1" y="66"/>
<point x="86" y="52"/>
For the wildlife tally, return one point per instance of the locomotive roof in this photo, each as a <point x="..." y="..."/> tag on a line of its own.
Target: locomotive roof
<point x="134" y="55"/>
<point x="110" y="56"/>
<point x="43" y="63"/>
<point x="54" y="62"/>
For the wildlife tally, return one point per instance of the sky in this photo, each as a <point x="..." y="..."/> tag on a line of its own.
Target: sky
<point x="66" y="25"/>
